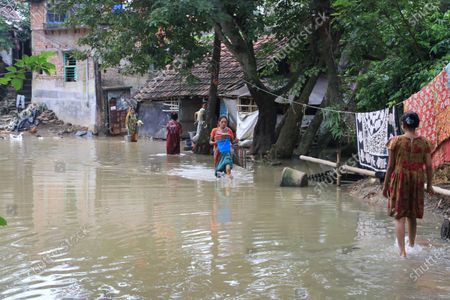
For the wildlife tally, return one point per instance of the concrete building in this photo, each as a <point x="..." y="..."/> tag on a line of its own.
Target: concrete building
<point x="79" y="92"/>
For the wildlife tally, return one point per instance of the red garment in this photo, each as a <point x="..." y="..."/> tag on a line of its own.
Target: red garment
<point x="432" y="104"/>
<point x="214" y="136"/>
<point x="406" y="185"/>
<point x="441" y="154"/>
<point x="173" y="137"/>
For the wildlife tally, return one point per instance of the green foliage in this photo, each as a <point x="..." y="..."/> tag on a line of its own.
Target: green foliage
<point x="5" y="40"/>
<point x="395" y="46"/>
<point x="35" y="63"/>
<point x="340" y="125"/>
<point x="157" y="33"/>
<point x="332" y="121"/>
<point x="144" y="33"/>
<point x="3" y="222"/>
<point x="21" y="27"/>
<point x="392" y="47"/>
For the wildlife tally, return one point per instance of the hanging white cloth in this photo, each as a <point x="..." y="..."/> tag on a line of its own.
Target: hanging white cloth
<point x="373" y="130"/>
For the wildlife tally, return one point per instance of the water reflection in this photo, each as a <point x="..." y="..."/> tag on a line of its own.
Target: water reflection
<point x="163" y="226"/>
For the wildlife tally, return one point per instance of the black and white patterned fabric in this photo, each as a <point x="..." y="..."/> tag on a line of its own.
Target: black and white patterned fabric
<point x="373" y="130"/>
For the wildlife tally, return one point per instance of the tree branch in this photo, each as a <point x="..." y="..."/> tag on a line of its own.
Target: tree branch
<point x="224" y="39"/>
<point x="292" y="81"/>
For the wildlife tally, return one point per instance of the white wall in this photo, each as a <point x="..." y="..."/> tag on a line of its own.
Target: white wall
<point x="73" y="102"/>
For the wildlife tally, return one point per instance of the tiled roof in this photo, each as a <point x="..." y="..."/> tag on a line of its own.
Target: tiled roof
<point x="170" y="84"/>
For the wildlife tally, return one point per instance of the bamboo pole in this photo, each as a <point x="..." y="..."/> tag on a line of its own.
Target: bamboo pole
<point x="339" y="165"/>
<point x="439" y="190"/>
<point x="346" y="168"/>
<point x="350" y="169"/>
<point x="318" y="161"/>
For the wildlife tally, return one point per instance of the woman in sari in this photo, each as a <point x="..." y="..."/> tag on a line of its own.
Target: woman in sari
<point x="173" y="135"/>
<point x="222" y="138"/>
<point x="132" y="122"/>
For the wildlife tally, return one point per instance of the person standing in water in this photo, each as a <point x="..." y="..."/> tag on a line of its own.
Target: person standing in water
<point x="200" y="118"/>
<point x="404" y="181"/>
<point x="132" y="122"/>
<point x="173" y="135"/>
<point x="222" y="138"/>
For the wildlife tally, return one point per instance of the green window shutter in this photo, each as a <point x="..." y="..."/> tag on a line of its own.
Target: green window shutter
<point x="70" y="67"/>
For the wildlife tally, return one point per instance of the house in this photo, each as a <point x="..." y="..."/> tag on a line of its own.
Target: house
<point x="170" y="91"/>
<point x="79" y="92"/>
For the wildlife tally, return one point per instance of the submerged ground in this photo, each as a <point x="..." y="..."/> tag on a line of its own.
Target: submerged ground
<point x="104" y="219"/>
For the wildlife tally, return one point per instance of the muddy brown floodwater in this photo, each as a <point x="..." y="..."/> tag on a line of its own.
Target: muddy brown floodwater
<point x="104" y="219"/>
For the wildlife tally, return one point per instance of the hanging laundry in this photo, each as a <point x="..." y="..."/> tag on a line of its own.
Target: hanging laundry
<point x="429" y="103"/>
<point x="373" y="130"/>
<point x="443" y="125"/>
<point x="432" y="104"/>
<point x="441" y="154"/>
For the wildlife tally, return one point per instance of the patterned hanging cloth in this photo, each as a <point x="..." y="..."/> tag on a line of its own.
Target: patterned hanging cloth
<point x="432" y="104"/>
<point x="373" y="130"/>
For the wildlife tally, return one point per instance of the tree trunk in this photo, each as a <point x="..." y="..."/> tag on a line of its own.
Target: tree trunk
<point x="2" y="87"/>
<point x="203" y="146"/>
<point x="307" y="138"/>
<point x="101" y="106"/>
<point x="288" y="138"/>
<point x="213" y="100"/>
<point x="264" y="133"/>
<point x="325" y="49"/>
<point x="241" y="46"/>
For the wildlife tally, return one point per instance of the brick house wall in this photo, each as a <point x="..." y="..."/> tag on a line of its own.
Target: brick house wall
<point x="73" y="102"/>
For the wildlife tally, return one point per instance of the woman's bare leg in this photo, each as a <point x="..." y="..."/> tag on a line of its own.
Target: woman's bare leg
<point x="412" y="229"/>
<point x="228" y="169"/>
<point x="400" y="232"/>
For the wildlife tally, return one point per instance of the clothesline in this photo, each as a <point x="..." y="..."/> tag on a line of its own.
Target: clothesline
<point x="446" y="68"/>
<point x="311" y="106"/>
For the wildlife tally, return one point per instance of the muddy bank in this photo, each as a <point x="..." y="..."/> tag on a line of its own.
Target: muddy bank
<point x="370" y="192"/>
<point x="49" y="130"/>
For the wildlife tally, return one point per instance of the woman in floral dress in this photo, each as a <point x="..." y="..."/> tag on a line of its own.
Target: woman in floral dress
<point x="405" y="178"/>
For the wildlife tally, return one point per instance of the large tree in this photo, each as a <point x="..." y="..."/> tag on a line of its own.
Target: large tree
<point x="393" y="47"/>
<point x="145" y="33"/>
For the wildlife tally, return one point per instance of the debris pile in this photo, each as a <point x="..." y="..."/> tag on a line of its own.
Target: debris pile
<point x="36" y="118"/>
<point x="49" y="117"/>
<point x="24" y="120"/>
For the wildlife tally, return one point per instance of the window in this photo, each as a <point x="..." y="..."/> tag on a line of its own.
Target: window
<point x="171" y="106"/>
<point x="54" y="14"/>
<point x="70" y="67"/>
<point x="246" y="105"/>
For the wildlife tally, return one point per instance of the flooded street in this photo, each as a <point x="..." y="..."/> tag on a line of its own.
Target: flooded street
<point x="104" y="219"/>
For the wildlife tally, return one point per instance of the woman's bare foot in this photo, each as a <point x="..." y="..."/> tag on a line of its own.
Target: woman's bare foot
<point x="403" y="254"/>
